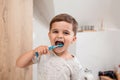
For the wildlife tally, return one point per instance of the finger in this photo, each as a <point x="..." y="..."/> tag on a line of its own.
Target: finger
<point x="45" y="50"/>
<point x="42" y="50"/>
<point x="105" y="78"/>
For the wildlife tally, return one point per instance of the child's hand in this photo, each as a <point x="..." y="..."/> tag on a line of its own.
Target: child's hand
<point x="42" y="50"/>
<point x="118" y="75"/>
<point x="105" y="78"/>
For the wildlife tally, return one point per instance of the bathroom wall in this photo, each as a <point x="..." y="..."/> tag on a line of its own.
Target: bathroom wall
<point x="40" y="37"/>
<point x="98" y="51"/>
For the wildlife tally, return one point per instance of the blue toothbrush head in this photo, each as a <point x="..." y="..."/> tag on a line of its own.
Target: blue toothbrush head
<point x="60" y="45"/>
<point x="52" y="47"/>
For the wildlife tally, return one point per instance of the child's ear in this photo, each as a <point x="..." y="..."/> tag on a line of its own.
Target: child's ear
<point x="74" y="39"/>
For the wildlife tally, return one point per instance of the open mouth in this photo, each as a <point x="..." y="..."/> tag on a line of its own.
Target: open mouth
<point x="59" y="43"/>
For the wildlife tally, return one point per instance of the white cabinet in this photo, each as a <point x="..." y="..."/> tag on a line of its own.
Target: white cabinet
<point x="98" y="50"/>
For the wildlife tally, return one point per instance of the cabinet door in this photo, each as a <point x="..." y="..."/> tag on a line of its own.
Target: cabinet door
<point x="15" y="37"/>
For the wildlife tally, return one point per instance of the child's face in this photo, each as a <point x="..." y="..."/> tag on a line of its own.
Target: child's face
<point x="61" y="32"/>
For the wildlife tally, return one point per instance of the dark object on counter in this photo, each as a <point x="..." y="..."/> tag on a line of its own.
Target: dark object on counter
<point x="110" y="74"/>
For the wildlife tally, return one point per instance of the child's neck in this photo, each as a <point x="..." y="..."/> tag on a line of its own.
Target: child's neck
<point x="64" y="55"/>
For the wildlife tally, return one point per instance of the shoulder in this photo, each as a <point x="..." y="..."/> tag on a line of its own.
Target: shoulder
<point x="76" y="69"/>
<point x="74" y="63"/>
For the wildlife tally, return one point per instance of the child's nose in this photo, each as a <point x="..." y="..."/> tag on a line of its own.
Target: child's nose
<point x="60" y="35"/>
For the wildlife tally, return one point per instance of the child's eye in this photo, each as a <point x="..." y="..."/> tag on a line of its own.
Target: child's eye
<point x="54" y="31"/>
<point x="66" y="33"/>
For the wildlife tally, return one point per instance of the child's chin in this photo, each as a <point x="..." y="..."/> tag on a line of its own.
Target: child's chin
<point x="58" y="50"/>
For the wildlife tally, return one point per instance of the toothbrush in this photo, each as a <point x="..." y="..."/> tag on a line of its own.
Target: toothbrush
<point x="50" y="48"/>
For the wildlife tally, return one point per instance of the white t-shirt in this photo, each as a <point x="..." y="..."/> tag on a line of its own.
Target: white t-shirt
<point x="53" y="67"/>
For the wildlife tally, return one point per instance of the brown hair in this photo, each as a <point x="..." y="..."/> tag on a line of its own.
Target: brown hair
<point x="66" y="18"/>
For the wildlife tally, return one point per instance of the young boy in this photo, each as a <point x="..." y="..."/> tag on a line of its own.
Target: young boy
<point x="59" y="63"/>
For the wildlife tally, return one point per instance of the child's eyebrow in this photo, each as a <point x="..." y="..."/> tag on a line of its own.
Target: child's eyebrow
<point x="66" y="30"/>
<point x="53" y="29"/>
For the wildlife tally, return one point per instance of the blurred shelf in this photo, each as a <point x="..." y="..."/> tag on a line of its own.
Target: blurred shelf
<point x="87" y="31"/>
